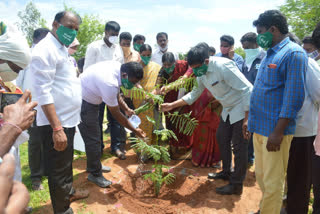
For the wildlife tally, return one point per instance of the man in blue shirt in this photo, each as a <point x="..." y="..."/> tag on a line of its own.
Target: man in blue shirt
<point x="227" y="50"/>
<point x="277" y="97"/>
<point x="250" y="67"/>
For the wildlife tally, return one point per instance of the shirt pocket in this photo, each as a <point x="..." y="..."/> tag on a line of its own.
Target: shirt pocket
<point x="270" y="77"/>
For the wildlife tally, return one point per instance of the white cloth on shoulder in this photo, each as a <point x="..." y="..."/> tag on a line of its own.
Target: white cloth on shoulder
<point x="14" y="48"/>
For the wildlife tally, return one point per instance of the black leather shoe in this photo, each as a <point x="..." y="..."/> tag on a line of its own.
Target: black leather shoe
<point x="221" y="175"/>
<point x="120" y="154"/>
<point x="230" y="189"/>
<point x="105" y="168"/>
<point x="99" y="180"/>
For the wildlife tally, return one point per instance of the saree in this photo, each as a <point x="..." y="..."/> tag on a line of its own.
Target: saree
<point x="148" y="82"/>
<point x="205" y="149"/>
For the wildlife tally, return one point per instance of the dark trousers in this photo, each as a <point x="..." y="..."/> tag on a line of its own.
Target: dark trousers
<point x="59" y="170"/>
<point x="230" y="135"/>
<point x="102" y="107"/>
<point x="37" y="162"/>
<point x="90" y="132"/>
<point x="299" y="175"/>
<point x="316" y="183"/>
<point x="117" y="133"/>
<point x="250" y="150"/>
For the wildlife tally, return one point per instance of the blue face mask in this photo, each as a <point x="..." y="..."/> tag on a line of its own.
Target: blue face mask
<point x="251" y="55"/>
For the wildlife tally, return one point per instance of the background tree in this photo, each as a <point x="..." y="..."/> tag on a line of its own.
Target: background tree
<point x="303" y="15"/>
<point x="91" y="29"/>
<point x="30" y="20"/>
<point x="240" y="51"/>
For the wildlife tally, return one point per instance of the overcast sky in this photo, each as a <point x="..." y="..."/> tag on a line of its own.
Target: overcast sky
<point x="186" y="21"/>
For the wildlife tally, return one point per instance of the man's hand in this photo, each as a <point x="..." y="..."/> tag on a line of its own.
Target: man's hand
<point x="163" y="90"/>
<point x="166" y="107"/>
<point x="274" y="142"/>
<point x="59" y="140"/>
<point x="129" y="112"/>
<point x="14" y="195"/>
<point x="140" y="133"/>
<point x="21" y="113"/>
<point x="231" y="53"/>
<point x="245" y="131"/>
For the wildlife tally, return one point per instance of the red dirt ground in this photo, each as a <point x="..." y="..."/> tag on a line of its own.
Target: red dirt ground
<point x="192" y="192"/>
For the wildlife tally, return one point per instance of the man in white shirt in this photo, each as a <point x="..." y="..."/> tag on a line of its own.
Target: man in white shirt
<point x="299" y="172"/>
<point x="35" y="144"/>
<point x="58" y="92"/>
<point x="101" y="83"/>
<point x="104" y="50"/>
<point x="162" y="41"/>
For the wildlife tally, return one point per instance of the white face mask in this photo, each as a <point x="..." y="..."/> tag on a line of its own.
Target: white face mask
<point x="113" y="39"/>
<point x="251" y="55"/>
<point x="163" y="49"/>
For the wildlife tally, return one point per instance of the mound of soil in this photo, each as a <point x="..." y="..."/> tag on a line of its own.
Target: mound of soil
<point x="191" y="192"/>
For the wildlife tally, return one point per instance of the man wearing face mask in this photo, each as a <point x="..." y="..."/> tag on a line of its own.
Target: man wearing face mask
<point x="254" y="55"/>
<point x="103" y="50"/>
<point x="138" y="41"/>
<point x="58" y="92"/>
<point x="277" y="97"/>
<point x="162" y="41"/>
<point x="230" y="87"/>
<point x="101" y="82"/>
<point x="227" y="50"/>
<point x="310" y="48"/>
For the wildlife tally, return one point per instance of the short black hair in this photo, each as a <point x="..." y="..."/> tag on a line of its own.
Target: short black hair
<point x="228" y="39"/>
<point x="168" y="57"/>
<point x="197" y="55"/>
<point x="61" y="14"/>
<point x="162" y="34"/>
<point x="40" y="33"/>
<point x="133" y="69"/>
<point x="139" y="37"/>
<point x="212" y="49"/>
<point x="112" y="25"/>
<point x="308" y="40"/>
<point x="294" y="38"/>
<point x="125" y="36"/>
<point x="272" y="18"/>
<point x="316" y="36"/>
<point x="204" y="46"/>
<point x="249" y="37"/>
<point x="145" y="47"/>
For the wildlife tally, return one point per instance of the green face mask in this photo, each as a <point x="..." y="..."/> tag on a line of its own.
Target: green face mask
<point x="265" y="40"/>
<point x="126" y="83"/>
<point x="137" y="47"/>
<point x="146" y="59"/>
<point x="170" y="70"/>
<point x="198" y="72"/>
<point x="66" y="35"/>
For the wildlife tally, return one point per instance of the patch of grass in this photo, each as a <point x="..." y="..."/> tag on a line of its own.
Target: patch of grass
<point x="37" y="198"/>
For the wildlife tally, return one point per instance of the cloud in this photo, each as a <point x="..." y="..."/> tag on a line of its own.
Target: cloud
<point x="187" y="22"/>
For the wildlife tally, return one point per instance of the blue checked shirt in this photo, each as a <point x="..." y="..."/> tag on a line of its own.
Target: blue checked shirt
<point x="279" y="88"/>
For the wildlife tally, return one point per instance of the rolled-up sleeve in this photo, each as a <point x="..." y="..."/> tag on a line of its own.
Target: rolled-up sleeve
<point x="43" y="76"/>
<point x="236" y="80"/>
<point x="293" y="95"/>
<point x="195" y="93"/>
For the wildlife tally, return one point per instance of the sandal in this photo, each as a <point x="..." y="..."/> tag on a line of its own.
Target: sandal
<point x="36" y="185"/>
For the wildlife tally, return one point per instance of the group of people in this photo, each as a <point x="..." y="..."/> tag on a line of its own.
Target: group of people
<point x="263" y="108"/>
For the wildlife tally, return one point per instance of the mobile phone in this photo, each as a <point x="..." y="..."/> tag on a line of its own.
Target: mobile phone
<point x="8" y="98"/>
